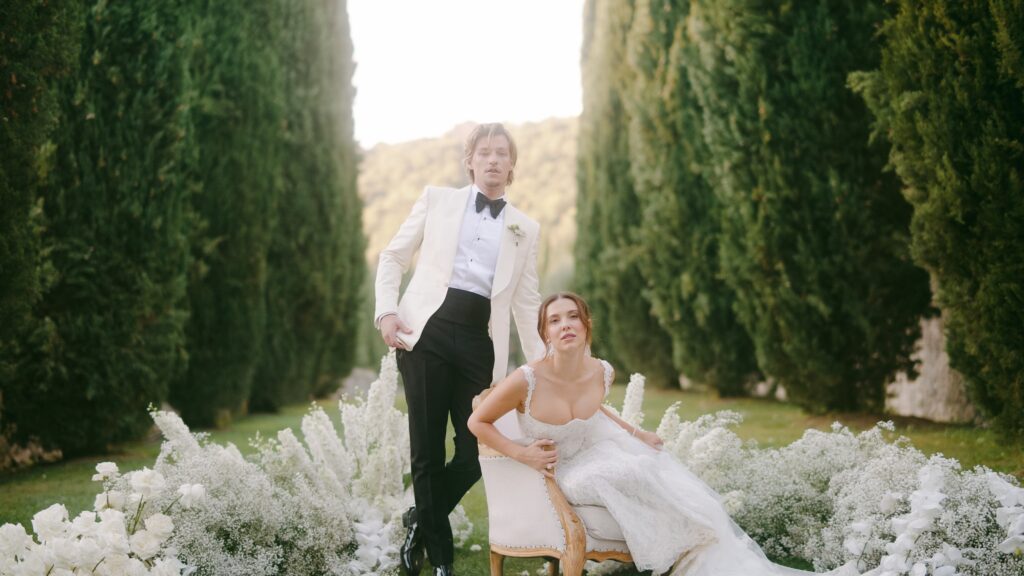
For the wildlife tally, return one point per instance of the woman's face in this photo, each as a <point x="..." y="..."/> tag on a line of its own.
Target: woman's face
<point x="565" y="329"/>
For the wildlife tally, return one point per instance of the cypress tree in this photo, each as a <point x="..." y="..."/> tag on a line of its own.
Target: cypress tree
<point x="949" y="97"/>
<point x="679" y="235"/>
<point x="607" y="256"/>
<point x="814" y="237"/>
<point x="108" y="331"/>
<point x="344" y="268"/>
<point x="39" y="44"/>
<point x="315" y="263"/>
<point x="239" y="129"/>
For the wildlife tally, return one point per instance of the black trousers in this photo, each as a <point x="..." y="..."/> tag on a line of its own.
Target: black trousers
<point x="451" y="363"/>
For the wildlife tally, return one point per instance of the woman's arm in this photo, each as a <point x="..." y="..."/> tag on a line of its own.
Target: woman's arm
<point x="649" y="438"/>
<point x="507" y="395"/>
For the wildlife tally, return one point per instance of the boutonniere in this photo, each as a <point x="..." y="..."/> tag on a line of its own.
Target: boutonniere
<point x="517" y="232"/>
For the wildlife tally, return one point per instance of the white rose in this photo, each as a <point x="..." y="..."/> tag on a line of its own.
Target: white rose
<point x="147" y="482"/>
<point x="36" y="561"/>
<point x="145" y="544"/>
<point x="65" y="553"/>
<point x="160" y="525"/>
<point x="167" y="567"/>
<point x="191" y="493"/>
<point x="105" y="471"/>
<point x="113" y="565"/>
<point x="136" y="568"/>
<point x="112" y="521"/>
<point x="112" y="533"/>
<point x="89" y="553"/>
<point x="50" y="523"/>
<point x="13" y="540"/>
<point x="113" y="499"/>
<point x="83" y="525"/>
<point x="1012" y="545"/>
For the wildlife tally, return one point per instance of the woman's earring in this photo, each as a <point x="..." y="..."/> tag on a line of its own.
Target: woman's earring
<point x="550" y="351"/>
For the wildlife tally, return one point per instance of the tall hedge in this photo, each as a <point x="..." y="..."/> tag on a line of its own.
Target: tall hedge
<point x="949" y="96"/>
<point x="342" y="272"/>
<point x="608" y="211"/>
<point x="240" y="124"/>
<point x="39" y="45"/>
<point x="108" y="331"/>
<point x="814" y="234"/>
<point x="680" y="232"/>
<point x="315" y="266"/>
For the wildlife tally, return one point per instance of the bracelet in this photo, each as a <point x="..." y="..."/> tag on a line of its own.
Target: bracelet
<point x="635" y="428"/>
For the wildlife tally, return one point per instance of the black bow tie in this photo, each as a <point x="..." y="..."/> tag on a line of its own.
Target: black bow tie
<point x="496" y="205"/>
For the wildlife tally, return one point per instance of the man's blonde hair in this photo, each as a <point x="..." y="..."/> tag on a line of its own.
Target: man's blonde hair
<point x="486" y="132"/>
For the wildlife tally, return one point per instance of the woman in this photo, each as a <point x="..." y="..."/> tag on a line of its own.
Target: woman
<point x="671" y="520"/>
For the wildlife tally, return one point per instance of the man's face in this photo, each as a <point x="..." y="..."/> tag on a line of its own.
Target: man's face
<point x="491" y="163"/>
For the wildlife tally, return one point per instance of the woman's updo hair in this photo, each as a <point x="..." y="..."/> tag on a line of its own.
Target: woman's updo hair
<point x="581" y="305"/>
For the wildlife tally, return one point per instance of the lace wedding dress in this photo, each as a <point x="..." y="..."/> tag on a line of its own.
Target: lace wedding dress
<point x="672" y="521"/>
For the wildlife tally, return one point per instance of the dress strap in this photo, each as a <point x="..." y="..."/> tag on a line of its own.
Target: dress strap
<point x="531" y="383"/>
<point x="609" y="373"/>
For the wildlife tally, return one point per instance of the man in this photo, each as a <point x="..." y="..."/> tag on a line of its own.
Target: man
<point x="478" y="262"/>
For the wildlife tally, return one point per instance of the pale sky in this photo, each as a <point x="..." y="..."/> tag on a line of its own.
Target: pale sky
<point x="424" y="66"/>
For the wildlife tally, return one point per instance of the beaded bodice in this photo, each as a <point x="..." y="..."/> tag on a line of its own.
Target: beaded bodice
<point x="571" y="436"/>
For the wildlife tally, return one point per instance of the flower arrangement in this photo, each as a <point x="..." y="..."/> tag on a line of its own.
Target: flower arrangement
<point x="330" y="503"/>
<point x="126" y="534"/>
<point x="631" y="405"/>
<point x="835" y="497"/>
<point x="327" y="503"/>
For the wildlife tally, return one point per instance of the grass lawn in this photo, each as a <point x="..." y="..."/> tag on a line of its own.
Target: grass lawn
<point x="772" y="424"/>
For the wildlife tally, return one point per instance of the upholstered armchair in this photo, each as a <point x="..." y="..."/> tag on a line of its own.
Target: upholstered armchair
<point x="530" y="517"/>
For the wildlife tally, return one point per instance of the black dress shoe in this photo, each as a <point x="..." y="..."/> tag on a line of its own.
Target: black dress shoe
<point x="411" y="554"/>
<point x="444" y="570"/>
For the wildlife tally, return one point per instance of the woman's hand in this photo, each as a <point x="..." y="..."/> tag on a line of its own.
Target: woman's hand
<point x="651" y="439"/>
<point x="541" y="455"/>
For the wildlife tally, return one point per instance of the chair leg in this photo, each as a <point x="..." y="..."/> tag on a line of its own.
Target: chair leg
<point x="497" y="564"/>
<point x="552" y="566"/>
<point x="572" y="564"/>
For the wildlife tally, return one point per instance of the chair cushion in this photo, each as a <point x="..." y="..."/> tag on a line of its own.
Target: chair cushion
<point x="599" y="522"/>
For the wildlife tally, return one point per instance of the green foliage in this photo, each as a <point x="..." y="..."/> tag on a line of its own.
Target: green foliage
<point x="147" y="236"/>
<point x="239" y="126"/>
<point x="315" y="264"/>
<point x="39" y="44"/>
<point x="814" y="235"/>
<point x="949" y="96"/>
<point x="107" y="332"/>
<point x="608" y="258"/>
<point x="680" y="233"/>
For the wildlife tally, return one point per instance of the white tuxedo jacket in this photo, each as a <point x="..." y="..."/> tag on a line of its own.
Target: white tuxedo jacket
<point x="433" y="227"/>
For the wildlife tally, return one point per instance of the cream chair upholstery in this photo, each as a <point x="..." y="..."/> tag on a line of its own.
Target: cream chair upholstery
<point x="529" y="516"/>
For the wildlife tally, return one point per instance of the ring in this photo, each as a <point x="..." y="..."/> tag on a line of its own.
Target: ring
<point x="550" y="466"/>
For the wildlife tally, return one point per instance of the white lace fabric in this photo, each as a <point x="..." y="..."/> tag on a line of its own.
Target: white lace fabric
<point x="672" y="521"/>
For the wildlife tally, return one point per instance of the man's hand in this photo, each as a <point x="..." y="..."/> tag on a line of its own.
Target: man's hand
<point x="390" y="326"/>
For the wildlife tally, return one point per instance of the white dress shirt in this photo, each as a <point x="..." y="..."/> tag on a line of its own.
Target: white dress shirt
<point x="477" y="255"/>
